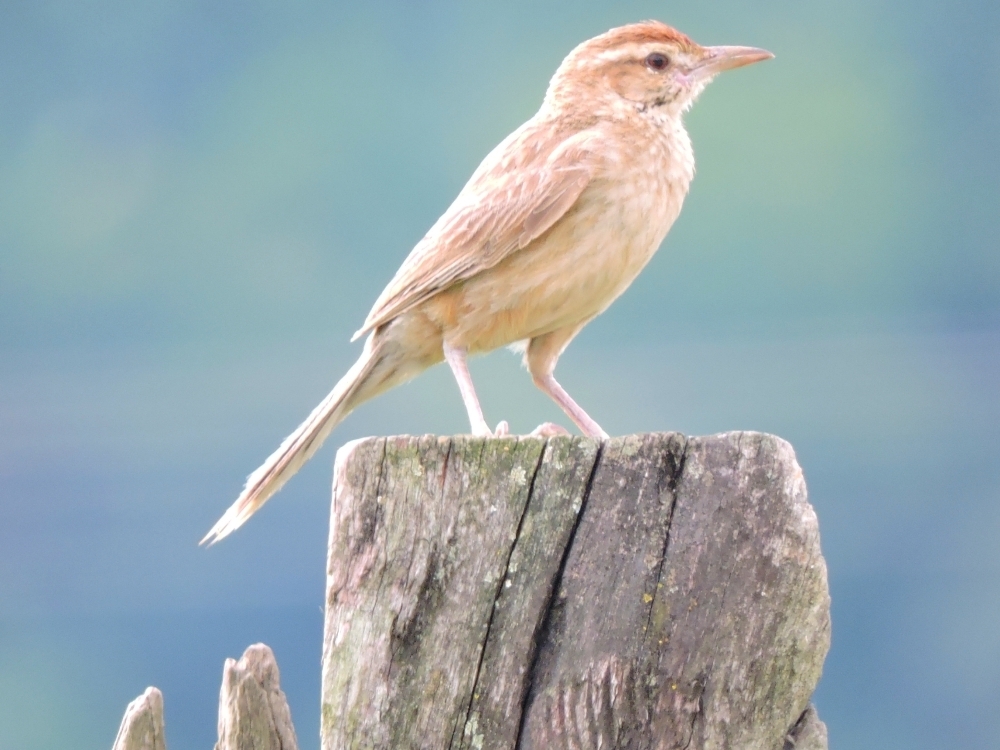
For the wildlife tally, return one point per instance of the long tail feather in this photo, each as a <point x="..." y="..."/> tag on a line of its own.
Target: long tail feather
<point x="299" y="447"/>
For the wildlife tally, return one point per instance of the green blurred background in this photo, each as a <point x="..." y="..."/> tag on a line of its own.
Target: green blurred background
<point x="200" y="201"/>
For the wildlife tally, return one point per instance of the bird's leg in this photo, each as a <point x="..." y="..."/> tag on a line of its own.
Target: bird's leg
<point x="549" y="386"/>
<point x="456" y="356"/>
<point x="540" y="358"/>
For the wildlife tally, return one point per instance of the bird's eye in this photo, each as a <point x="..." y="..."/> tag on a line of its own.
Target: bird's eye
<point x="657" y="61"/>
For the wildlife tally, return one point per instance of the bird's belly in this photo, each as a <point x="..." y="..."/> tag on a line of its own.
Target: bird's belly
<point x="564" y="278"/>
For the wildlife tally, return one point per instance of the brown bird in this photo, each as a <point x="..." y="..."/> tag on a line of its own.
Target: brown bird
<point x="554" y="224"/>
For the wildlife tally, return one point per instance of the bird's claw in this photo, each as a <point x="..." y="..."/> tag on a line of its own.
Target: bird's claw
<point x="549" y="429"/>
<point x="502" y="430"/>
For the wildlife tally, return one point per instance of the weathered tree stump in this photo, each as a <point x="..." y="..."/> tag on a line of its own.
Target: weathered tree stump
<point x="253" y="711"/>
<point x="142" y="725"/>
<point x="652" y="591"/>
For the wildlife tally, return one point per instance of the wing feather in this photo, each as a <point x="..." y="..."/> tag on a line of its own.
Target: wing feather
<point x="515" y="196"/>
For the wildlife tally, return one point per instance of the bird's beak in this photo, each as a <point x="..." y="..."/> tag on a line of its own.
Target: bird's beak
<point x="718" y="59"/>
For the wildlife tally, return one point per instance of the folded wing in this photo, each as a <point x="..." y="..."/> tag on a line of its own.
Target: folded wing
<point x="517" y="194"/>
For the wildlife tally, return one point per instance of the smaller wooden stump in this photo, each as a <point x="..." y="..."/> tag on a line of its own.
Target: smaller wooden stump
<point x="651" y="591"/>
<point x="142" y="725"/>
<point x="253" y="711"/>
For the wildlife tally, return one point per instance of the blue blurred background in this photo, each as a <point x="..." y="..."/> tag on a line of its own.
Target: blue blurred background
<point x="200" y="201"/>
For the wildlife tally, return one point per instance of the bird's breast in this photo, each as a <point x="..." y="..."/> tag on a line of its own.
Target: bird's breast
<point x="577" y="268"/>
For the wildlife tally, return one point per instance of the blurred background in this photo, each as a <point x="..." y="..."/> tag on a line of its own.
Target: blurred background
<point x="199" y="201"/>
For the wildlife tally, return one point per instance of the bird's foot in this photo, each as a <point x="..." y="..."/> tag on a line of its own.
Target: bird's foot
<point x="549" y="429"/>
<point x="483" y="430"/>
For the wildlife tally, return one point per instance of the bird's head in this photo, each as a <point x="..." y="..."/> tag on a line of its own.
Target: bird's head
<point x="646" y="65"/>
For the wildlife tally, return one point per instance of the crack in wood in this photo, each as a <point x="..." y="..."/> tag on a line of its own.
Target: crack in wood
<point x="496" y="597"/>
<point x="547" y="609"/>
<point x="675" y="467"/>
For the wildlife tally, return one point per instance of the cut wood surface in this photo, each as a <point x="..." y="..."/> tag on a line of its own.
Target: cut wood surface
<point x="651" y="591"/>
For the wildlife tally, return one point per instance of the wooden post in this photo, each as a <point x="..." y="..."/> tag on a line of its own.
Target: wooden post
<point x="651" y="591"/>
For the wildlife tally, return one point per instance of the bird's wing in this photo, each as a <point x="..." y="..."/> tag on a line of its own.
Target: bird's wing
<point x="517" y="193"/>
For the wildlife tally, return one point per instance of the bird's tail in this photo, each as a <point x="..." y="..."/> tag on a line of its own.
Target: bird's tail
<point x="376" y="370"/>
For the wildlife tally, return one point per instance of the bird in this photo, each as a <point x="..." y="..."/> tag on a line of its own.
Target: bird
<point x="551" y="228"/>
